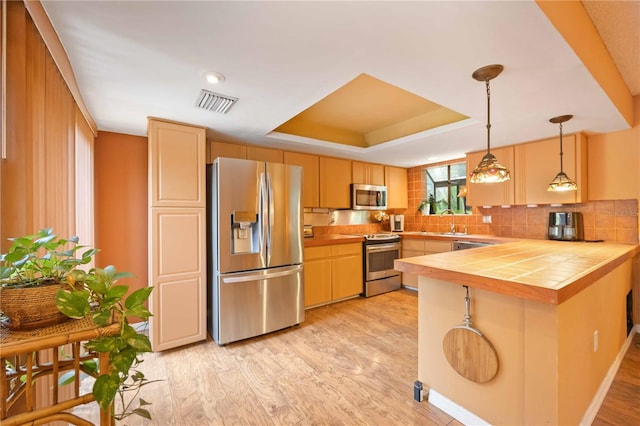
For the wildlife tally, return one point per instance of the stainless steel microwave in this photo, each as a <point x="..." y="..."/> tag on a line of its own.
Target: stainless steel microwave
<point x="368" y="197"/>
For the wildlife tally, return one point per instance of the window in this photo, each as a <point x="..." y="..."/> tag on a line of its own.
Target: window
<point x="444" y="183"/>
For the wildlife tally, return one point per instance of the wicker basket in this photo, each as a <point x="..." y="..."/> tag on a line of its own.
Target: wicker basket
<point x="31" y="307"/>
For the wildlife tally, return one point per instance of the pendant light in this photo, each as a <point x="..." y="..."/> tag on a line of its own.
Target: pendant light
<point x="489" y="170"/>
<point x="562" y="182"/>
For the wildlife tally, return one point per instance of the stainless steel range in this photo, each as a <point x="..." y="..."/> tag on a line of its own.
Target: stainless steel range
<point x="380" y="250"/>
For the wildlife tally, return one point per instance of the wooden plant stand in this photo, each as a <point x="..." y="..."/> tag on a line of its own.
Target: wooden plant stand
<point x="22" y="352"/>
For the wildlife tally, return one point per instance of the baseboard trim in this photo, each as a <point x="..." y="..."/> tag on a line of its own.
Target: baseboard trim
<point x="456" y="411"/>
<point x="598" y="399"/>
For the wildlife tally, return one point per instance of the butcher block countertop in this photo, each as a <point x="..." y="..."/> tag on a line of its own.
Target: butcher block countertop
<point x="539" y="270"/>
<point x="328" y="239"/>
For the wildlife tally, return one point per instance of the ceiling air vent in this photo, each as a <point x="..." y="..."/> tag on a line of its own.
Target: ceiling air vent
<point x="215" y="102"/>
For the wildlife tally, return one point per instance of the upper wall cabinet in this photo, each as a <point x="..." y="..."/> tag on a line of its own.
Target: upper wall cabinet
<point x="176" y="165"/>
<point x="223" y="149"/>
<point x="310" y="176"/>
<point x="491" y="194"/>
<point x="397" y="189"/>
<point x="249" y="152"/>
<point x="537" y="163"/>
<point x="264" y="154"/>
<point x="368" y="173"/>
<point x="335" y="183"/>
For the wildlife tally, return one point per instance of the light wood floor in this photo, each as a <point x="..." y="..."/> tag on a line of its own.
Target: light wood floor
<point x="350" y="363"/>
<point x="622" y="404"/>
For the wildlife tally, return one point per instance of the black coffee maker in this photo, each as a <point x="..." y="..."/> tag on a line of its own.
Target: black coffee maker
<point x="566" y="226"/>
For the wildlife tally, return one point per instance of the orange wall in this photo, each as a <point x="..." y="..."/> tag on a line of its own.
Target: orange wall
<point x="121" y="204"/>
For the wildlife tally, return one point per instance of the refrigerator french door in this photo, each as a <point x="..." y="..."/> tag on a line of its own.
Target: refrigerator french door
<point x="256" y="274"/>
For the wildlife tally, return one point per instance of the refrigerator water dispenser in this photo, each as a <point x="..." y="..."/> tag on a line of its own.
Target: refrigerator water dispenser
<point x="245" y="233"/>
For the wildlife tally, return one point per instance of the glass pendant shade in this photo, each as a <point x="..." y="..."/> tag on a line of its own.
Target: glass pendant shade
<point x="489" y="170"/>
<point x="562" y="182"/>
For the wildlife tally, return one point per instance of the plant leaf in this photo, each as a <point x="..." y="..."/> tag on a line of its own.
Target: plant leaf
<point x="123" y="360"/>
<point x="67" y="378"/>
<point x="105" y="388"/>
<point x="90" y="366"/>
<point x="140" y="342"/>
<point x="138" y="311"/>
<point x="117" y="291"/>
<point x="74" y="304"/>
<point x="138" y="297"/>
<point x="106" y="344"/>
<point x="102" y="317"/>
<point x="142" y="413"/>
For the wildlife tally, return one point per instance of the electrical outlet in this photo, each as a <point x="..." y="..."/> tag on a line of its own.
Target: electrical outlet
<point x="486" y="219"/>
<point x="595" y="341"/>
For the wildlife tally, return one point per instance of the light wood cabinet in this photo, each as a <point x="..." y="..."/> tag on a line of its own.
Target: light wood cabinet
<point x="270" y="155"/>
<point x="397" y="187"/>
<point x="177" y="229"/>
<point x="367" y="173"/>
<point x="420" y="247"/>
<point x="346" y="270"/>
<point x="317" y="275"/>
<point x="335" y="183"/>
<point x="310" y="176"/>
<point x="537" y="163"/>
<point x="176" y="165"/>
<point x="492" y="194"/>
<point x="224" y="149"/>
<point x="613" y="161"/>
<point x="332" y="273"/>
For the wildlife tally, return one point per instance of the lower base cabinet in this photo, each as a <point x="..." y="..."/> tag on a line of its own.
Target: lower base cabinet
<point x="412" y="248"/>
<point x="332" y="273"/>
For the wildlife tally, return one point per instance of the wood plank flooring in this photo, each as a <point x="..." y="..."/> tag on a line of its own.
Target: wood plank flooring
<point x="622" y="404"/>
<point x="350" y="363"/>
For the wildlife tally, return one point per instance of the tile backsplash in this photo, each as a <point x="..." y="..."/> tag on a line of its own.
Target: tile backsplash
<point x="611" y="221"/>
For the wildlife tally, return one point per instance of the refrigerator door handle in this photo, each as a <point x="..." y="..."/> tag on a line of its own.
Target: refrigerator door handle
<point x="256" y="277"/>
<point x="270" y="216"/>
<point x="264" y="209"/>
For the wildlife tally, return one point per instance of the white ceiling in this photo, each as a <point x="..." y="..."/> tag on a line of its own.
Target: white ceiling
<point x="136" y="59"/>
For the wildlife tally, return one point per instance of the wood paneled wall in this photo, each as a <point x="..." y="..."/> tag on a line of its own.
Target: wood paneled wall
<point x="47" y="177"/>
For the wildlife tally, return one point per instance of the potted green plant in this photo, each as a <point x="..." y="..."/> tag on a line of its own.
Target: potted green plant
<point x="428" y="206"/>
<point x="424" y="207"/>
<point x="31" y="273"/>
<point x="42" y="270"/>
<point x="432" y="204"/>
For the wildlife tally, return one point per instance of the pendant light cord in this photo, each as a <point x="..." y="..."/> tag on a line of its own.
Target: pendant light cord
<point x="489" y="118"/>
<point x="561" y="153"/>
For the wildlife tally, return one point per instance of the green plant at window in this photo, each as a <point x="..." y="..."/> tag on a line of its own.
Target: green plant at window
<point x="443" y="183"/>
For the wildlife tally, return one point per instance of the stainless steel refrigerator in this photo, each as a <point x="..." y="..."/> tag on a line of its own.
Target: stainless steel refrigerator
<point x="255" y="227"/>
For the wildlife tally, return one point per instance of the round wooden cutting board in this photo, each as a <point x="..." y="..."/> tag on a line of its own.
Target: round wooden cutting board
<point x="470" y="354"/>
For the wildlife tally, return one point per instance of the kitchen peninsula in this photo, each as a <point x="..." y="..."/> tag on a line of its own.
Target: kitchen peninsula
<point x="554" y="311"/>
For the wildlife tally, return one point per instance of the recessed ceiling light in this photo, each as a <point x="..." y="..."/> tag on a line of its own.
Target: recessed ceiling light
<point x="214" y="77"/>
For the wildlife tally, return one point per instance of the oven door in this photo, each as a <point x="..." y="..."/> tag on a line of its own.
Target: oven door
<point x="379" y="260"/>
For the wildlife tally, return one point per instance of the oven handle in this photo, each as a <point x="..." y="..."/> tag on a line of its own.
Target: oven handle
<point x="383" y="247"/>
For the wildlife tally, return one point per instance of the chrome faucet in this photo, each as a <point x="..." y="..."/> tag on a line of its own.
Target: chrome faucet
<point x="452" y="226"/>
